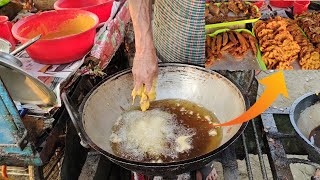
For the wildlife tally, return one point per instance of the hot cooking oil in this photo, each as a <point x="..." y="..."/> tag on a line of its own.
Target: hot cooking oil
<point x="206" y="138"/>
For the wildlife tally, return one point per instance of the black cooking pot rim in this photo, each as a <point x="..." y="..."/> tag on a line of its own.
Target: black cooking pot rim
<point x="87" y="139"/>
<point x="292" y="117"/>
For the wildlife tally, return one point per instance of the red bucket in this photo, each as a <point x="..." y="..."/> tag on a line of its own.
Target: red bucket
<point x="5" y="31"/>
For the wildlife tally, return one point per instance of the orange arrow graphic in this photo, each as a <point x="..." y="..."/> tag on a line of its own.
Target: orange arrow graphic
<point x="275" y="85"/>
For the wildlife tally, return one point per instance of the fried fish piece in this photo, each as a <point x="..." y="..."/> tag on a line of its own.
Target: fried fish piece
<point x="241" y="5"/>
<point x="214" y="9"/>
<point x="224" y="8"/>
<point x="219" y="43"/>
<point x="214" y="19"/>
<point x="238" y="53"/>
<point x="253" y="12"/>
<point x="206" y="11"/>
<point x="209" y="52"/>
<point x="243" y="43"/>
<point x="232" y="37"/>
<point x="208" y="41"/>
<point x="232" y="6"/>
<point x="252" y="42"/>
<point x="225" y="38"/>
<point x="227" y="46"/>
<point x="245" y="34"/>
<point x="210" y="62"/>
<point x="214" y="45"/>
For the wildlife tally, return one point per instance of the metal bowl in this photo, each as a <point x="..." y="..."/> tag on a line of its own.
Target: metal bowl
<point x="303" y="129"/>
<point x="105" y="103"/>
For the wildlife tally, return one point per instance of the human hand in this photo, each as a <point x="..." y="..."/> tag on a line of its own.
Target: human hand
<point x="145" y="68"/>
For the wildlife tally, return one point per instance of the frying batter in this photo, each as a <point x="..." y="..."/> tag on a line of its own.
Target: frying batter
<point x="150" y="136"/>
<point x="171" y="130"/>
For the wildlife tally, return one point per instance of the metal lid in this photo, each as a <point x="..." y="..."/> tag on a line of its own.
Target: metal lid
<point x="24" y="88"/>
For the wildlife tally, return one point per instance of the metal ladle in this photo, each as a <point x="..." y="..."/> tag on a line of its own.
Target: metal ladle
<point x="11" y="56"/>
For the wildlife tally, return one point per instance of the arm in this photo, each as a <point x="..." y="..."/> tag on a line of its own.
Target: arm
<point x="145" y="65"/>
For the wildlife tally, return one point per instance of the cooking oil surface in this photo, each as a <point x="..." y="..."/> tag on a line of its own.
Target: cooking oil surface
<point x="189" y="119"/>
<point x="315" y="136"/>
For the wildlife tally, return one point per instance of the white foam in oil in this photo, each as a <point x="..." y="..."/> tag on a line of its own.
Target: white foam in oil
<point x="171" y="130"/>
<point x="150" y="134"/>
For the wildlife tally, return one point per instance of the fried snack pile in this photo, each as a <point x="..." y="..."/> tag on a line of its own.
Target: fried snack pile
<point x="277" y="45"/>
<point x="232" y="42"/>
<point x="145" y="97"/>
<point x="240" y="10"/>
<point x="310" y="24"/>
<point x="309" y="58"/>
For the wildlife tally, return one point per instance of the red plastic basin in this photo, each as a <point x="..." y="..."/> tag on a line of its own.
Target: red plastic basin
<point x="67" y="35"/>
<point x="281" y="3"/>
<point x="259" y="3"/>
<point x="102" y="8"/>
<point x="300" y="6"/>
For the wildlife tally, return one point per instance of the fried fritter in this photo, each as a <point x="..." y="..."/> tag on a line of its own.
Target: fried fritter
<point x="309" y="57"/>
<point x="310" y="23"/>
<point x="278" y="46"/>
<point x="225" y="38"/>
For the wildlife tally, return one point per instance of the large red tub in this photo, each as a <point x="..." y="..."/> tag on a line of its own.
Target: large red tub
<point x="102" y="8"/>
<point x="67" y="35"/>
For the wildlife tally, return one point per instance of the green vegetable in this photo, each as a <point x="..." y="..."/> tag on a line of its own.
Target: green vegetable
<point x="4" y="2"/>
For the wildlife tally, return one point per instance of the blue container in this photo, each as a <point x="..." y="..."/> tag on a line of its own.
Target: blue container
<point x="14" y="147"/>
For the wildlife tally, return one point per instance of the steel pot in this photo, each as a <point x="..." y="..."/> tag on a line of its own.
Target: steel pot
<point x="105" y="103"/>
<point x="303" y="129"/>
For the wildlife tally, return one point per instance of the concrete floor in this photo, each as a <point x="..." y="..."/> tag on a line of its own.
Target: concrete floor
<point x="298" y="83"/>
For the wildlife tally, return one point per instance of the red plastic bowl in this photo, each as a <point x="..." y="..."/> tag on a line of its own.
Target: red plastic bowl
<point x="259" y="3"/>
<point x="102" y="8"/>
<point x="281" y="3"/>
<point x="67" y="35"/>
<point x="300" y="6"/>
